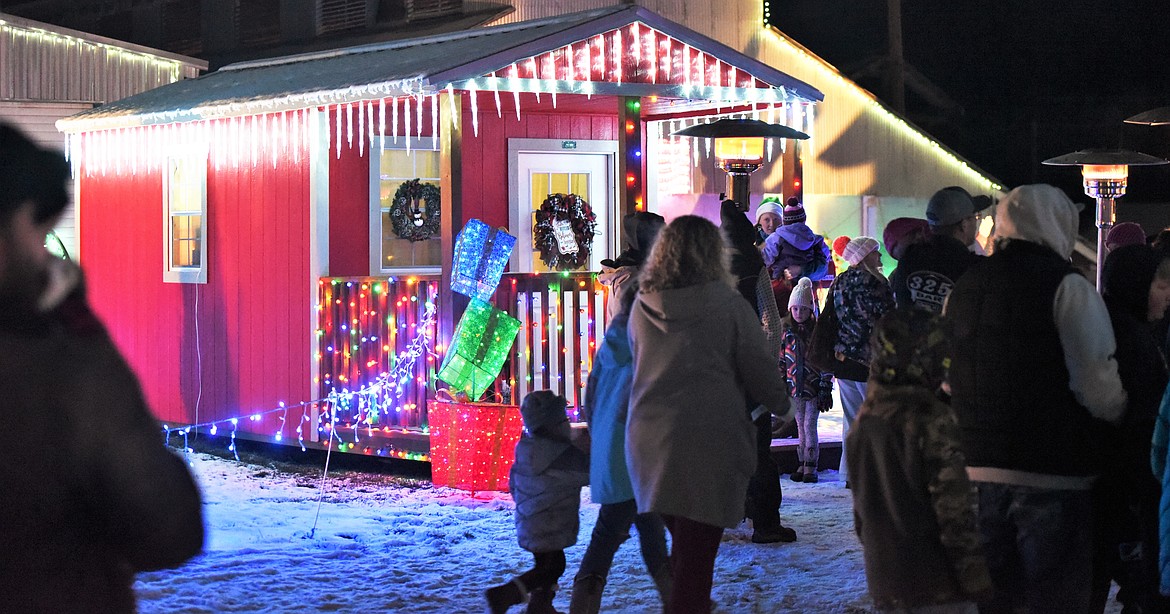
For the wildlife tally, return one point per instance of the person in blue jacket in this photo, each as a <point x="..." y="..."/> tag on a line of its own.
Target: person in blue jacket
<point x="607" y="404"/>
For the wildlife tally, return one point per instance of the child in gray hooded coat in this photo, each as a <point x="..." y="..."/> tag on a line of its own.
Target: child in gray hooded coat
<point x="545" y="481"/>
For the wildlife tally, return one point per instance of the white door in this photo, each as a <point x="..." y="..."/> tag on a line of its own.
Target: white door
<point x="539" y="174"/>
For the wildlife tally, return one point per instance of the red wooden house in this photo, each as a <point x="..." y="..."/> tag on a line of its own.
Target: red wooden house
<point x="242" y="240"/>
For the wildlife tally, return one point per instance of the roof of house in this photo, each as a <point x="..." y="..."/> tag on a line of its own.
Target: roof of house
<point x="406" y="67"/>
<point x="58" y="33"/>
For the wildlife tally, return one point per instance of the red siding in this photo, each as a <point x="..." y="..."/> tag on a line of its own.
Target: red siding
<point x="349" y="206"/>
<point x="485" y="158"/>
<point x="485" y="170"/>
<point x="242" y="343"/>
<point x="251" y="348"/>
<point x="349" y="193"/>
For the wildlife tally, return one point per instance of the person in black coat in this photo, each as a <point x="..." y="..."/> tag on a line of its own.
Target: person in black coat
<point x="91" y="493"/>
<point x="753" y="283"/>
<point x="546" y="481"/>
<point x="1126" y="497"/>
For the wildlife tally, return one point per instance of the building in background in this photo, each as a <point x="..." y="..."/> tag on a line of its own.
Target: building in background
<point x="227" y="31"/>
<point x="48" y="72"/>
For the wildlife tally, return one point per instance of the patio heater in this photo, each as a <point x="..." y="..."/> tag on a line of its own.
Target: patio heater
<point x="739" y="149"/>
<point x="1153" y="117"/>
<point x="1105" y="172"/>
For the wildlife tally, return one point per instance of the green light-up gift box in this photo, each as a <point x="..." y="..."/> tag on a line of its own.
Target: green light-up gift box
<point x="481" y="344"/>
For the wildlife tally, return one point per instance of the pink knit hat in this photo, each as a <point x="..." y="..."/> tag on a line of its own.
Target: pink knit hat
<point x="1125" y="233"/>
<point x="902" y="232"/>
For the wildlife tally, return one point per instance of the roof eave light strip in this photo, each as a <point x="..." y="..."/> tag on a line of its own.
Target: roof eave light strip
<point x="294" y="102"/>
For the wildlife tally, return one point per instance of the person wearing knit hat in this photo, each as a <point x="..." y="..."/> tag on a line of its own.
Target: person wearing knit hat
<point x="546" y="481"/>
<point x="839" y="248"/>
<point x="860" y="296"/>
<point x="810" y="388"/>
<point x="81" y="517"/>
<point x="903" y="232"/>
<point x="859" y="249"/>
<point x="768" y="217"/>
<point x="795" y="251"/>
<point x="927" y="270"/>
<point x="1125" y="233"/>
<point x="907" y="466"/>
<point x="794" y="211"/>
<point x="802" y="295"/>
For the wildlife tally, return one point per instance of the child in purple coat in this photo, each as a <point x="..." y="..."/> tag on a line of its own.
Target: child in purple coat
<point x="794" y="250"/>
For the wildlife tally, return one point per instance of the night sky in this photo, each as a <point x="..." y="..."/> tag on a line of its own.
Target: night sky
<point x="1034" y="78"/>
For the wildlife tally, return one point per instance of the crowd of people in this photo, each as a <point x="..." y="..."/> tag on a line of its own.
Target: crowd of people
<point x="1006" y="425"/>
<point x="1006" y="428"/>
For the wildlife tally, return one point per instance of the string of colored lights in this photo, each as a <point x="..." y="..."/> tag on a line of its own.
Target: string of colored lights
<point x="359" y="328"/>
<point x="374" y="399"/>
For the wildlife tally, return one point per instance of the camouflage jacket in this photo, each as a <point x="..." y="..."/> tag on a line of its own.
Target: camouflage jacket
<point x="913" y="507"/>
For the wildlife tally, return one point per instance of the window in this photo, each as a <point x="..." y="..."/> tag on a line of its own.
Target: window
<point x="391" y="166"/>
<point x="184" y="213"/>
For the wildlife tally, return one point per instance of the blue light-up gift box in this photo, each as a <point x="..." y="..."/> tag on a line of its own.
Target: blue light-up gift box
<point x="481" y="253"/>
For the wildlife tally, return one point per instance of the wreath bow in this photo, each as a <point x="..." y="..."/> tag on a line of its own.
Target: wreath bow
<point x="564" y="252"/>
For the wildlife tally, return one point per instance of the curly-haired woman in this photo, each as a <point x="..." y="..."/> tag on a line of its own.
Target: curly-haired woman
<point x="697" y="348"/>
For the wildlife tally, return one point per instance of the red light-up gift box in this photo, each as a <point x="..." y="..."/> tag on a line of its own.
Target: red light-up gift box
<point x="473" y="445"/>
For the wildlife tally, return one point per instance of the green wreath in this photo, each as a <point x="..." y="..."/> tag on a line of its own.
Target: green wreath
<point x="581" y="221"/>
<point x="415" y="210"/>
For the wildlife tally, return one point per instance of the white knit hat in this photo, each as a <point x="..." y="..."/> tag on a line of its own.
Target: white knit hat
<point x="769" y="207"/>
<point x="802" y="294"/>
<point x="858" y="249"/>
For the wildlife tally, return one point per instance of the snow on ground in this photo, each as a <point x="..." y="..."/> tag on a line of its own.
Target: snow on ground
<point x="390" y="544"/>
<point x="386" y="543"/>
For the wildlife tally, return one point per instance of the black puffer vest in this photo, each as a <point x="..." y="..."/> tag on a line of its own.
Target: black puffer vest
<point x="1008" y="377"/>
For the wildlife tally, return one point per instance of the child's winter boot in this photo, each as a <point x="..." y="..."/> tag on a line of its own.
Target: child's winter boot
<point x="540" y="601"/>
<point x="587" y="595"/>
<point x="504" y="596"/>
<point x="798" y="475"/>
<point x="810" y="473"/>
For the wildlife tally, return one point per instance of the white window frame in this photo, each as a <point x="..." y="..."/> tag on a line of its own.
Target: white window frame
<point x="196" y="157"/>
<point x="524" y="255"/>
<point x="416" y="144"/>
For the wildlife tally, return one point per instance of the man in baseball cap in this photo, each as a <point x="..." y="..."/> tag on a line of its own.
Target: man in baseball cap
<point x="927" y="270"/>
<point x="953" y="205"/>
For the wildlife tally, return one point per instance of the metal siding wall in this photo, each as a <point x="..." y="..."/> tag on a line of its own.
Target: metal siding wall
<point x="47" y="67"/>
<point x="537" y="9"/>
<point x="857" y="147"/>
